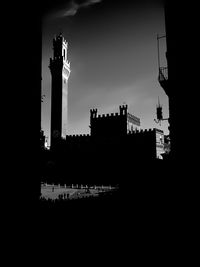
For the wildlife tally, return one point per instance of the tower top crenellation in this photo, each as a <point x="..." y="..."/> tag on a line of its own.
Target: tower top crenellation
<point x="60" y="38"/>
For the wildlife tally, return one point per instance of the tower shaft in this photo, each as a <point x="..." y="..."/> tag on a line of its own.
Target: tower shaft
<point x="60" y="71"/>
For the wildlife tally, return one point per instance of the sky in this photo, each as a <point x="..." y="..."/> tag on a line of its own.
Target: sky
<point x="112" y="49"/>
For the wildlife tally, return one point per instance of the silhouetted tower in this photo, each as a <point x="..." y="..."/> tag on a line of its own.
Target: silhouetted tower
<point x="123" y="110"/>
<point x="60" y="71"/>
<point x="93" y="115"/>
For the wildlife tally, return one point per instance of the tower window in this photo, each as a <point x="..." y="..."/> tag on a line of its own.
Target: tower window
<point x="64" y="54"/>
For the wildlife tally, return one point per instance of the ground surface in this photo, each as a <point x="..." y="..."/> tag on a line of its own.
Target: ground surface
<point x="72" y="192"/>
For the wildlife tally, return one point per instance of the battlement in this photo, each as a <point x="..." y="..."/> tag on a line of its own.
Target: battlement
<point x="123" y="112"/>
<point x="77" y="139"/>
<point x="58" y="38"/>
<point x="93" y="110"/>
<point x="58" y="41"/>
<point x="93" y="113"/>
<point x="111" y="115"/>
<point x="142" y="131"/>
<point x="123" y="107"/>
<point x="146" y="131"/>
<point x="77" y="136"/>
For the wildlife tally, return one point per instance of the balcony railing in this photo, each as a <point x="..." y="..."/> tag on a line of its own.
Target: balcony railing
<point x="163" y="74"/>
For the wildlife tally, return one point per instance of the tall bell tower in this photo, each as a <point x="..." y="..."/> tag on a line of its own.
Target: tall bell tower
<point x="60" y="71"/>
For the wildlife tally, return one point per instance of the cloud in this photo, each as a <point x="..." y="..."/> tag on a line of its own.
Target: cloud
<point x="69" y="9"/>
<point x="74" y="6"/>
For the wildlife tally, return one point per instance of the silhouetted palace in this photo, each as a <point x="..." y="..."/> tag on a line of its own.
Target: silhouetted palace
<point x="113" y="124"/>
<point x="115" y="139"/>
<point x="120" y="131"/>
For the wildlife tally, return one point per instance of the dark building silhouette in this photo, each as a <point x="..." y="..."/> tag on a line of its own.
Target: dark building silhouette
<point x="115" y="139"/>
<point x="60" y="71"/>
<point x="176" y="78"/>
<point x="99" y="157"/>
<point x="24" y="87"/>
<point x="144" y="144"/>
<point x="121" y="132"/>
<point x="24" y="93"/>
<point x="113" y="124"/>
